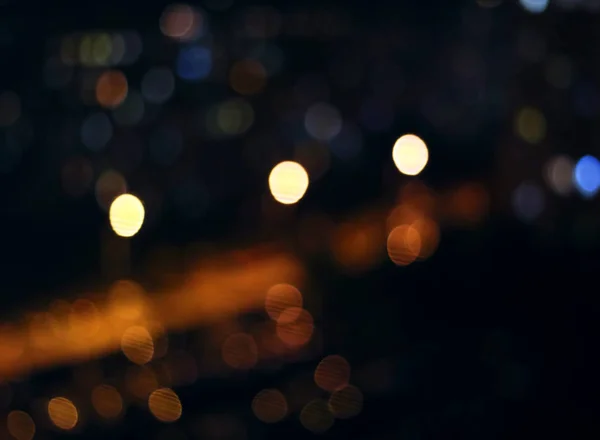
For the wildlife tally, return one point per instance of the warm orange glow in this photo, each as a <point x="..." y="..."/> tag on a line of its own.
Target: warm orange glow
<point x="126" y="300"/>
<point x="63" y="413"/>
<point x="239" y="351"/>
<point x="137" y="344"/>
<point x="468" y="204"/>
<point x="332" y="373"/>
<point x="281" y="297"/>
<point x="404" y="245"/>
<point x="358" y="246"/>
<point x="111" y="89"/>
<point x="20" y="425"/>
<point x="107" y="401"/>
<point x="346" y="402"/>
<point x="269" y="406"/>
<point x="164" y="404"/>
<point x="295" y="332"/>
<point x="84" y="320"/>
<point x="429" y="232"/>
<point x="316" y="416"/>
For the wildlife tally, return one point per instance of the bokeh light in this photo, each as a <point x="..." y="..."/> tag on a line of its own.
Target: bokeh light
<point x="137" y="344"/>
<point x="410" y="154"/>
<point x="20" y="425"/>
<point x="194" y="63"/>
<point x="281" y="297"/>
<point x="404" y="245"/>
<point x="295" y="327"/>
<point x="165" y="405"/>
<point x="111" y="89"/>
<point x="528" y="201"/>
<point x="63" y="413"/>
<point x="181" y="22"/>
<point x="247" y="77"/>
<point x="530" y="125"/>
<point x="323" y="121"/>
<point x="346" y="402"/>
<point x="316" y="416"/>
<point x="559" y="174"/>
<point x="107" y="401"/>
<point x="239" y="351"/>
<point x="270" y="406"/>
<point x="586" y="176"/>
<point x="288" y="182"/>
<point x="332" y="373"/>
<point x="534" y="6"/>
<point x="126" y="215"/>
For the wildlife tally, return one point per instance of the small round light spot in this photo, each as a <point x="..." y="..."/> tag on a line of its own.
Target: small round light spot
<point x="165" y="405"/>
<point x="288" y="182"/>
<point x="126" y="215"/>
<point x="137" y="345"/>
<point x="63" y="413"/>
<point x="410" y="154"/>
<point x="269" y="406"/>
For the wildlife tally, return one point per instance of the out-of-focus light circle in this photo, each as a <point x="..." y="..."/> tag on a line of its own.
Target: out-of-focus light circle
<point x="332" y="373"/>
<point x="96" y="131"/>
<point x="137" y="344"/>
<point x="559" y="174"/>
<point x="323" y="121"/>
<point x="131" y="111"/>
<point x="111" y="89"/>
<point x="165" y="405"/>
<point x="107" y="401"/>
<point x="269" y="406"/>
<point x="63" y="413"/>
<point x="586" y="176"/>
<point x="316" y="416"/>
<point x="281" y="297"/>
<point x="410" y="154"/>
<point x="20" y="425"/>
<point x="404" y="245"/>
<point x="194" y="63"/>
<point x="530" y="125"/>
<point x="181" y="22"/>
<point x="346" y="402"/>
<point x="247" y="77"/>
<point x="534" y="6"/>
<point x="239" y="351"/>
<point x="126" y="215"/>
<point x="158" y="85"/>
<point x="288" y="182"/>
<point x="295" y="327"/>
<point x="109" y="186"/>
<point x="528" y="201"/>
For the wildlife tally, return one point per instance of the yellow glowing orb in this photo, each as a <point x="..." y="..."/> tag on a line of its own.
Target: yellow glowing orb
<point x="410" y="154"/>
<point x="288" y="182"/>
<point x="126" y="215"/>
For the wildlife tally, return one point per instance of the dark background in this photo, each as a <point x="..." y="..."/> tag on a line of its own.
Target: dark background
<point x="494" y="336"/>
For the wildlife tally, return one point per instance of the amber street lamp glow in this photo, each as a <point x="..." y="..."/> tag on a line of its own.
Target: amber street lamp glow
<point x="410" y="154"/>
<point x="126" y="215"/>
<point x="288" y="182"/>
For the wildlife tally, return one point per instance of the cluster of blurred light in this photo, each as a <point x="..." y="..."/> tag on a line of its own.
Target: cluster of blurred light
<point x="182" y="22"/>
<point x="101" y="49"/>
<point x="294" y="324"/>
<point x="410" y="154"/>
<point x="126" y="215"/>
<point x="288" y="182"/>
<point x="534" y="6"/>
